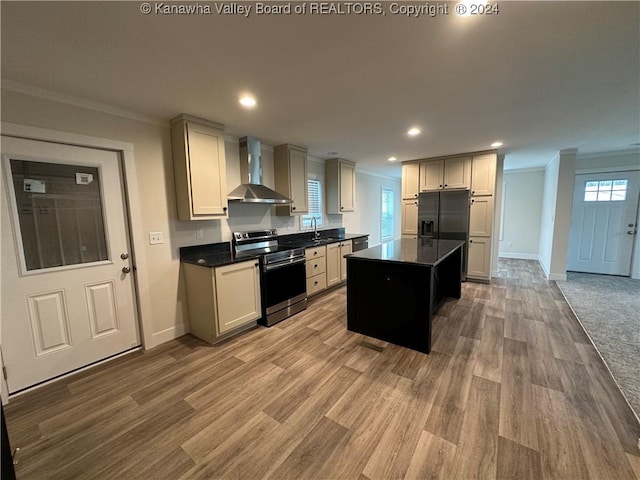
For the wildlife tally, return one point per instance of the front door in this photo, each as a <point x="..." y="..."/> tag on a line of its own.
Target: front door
<point x="67" y="288"/>
<point x="603" y="222"/>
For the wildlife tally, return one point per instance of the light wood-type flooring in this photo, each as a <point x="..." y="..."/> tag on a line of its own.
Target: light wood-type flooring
<point x="512" y="389"/>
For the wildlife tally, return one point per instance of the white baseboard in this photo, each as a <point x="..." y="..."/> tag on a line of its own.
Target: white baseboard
<point x="549" y="275"/>
<point x="168" y="335"/>
<point x="519" y="256"/>
<point x="557" y="276"/>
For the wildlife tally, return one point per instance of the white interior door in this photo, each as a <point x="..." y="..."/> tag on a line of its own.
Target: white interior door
<point x="67" y="290"/>
<point x="603" y="222"/>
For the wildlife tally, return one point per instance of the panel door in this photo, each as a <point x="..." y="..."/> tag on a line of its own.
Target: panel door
<point x="603" y="222"/>
<point x="67" y="290"/>
<point x="479" y="261"/>
<point x="483" y="174"/>
<point x="345" y="249"/>
<point x="333" y="264"/>
<point x="410" y="180"/>
<point x="207" y="170"/>
<point x="347" y="187"/>
<point x="299" y="191"/>
<point x="481" y="216"/>
<point x="237" y="295"/>
<point x="431" y="175"/>
<point x="409" y="217"/>
<point x="457" y="172"/>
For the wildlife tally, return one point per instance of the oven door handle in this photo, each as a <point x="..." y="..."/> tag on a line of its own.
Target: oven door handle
<point x="291" y="261"/>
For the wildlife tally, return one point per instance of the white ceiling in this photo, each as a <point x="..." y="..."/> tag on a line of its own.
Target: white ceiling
<point x="539" y="76"/>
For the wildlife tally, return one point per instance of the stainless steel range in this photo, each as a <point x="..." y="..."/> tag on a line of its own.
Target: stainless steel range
<point x="282" y="273"/>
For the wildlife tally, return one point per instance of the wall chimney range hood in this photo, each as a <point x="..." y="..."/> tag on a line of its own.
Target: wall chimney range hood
<point x="251" y="170"/>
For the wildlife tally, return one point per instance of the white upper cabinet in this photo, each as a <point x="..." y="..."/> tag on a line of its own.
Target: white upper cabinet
<point x="290" y="165"/>
<point x="341" y="186"/>
<point x="199" y="168"/>
<point x="410" y="180"/>
<point x="483" y="174"/>
<point x="431" y="175"/>
<point x="447" y="173"/>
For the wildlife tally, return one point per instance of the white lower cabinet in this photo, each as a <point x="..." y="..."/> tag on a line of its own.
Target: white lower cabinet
<point x="336" y="263"/>
<point x="316" y="270"/>
<point x="409" y="217"/>
<point x="222" y="300"/>
<point x="479" y="258"/>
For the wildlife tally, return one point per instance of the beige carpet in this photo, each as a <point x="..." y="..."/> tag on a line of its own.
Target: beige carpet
<point x="609" y="309"/>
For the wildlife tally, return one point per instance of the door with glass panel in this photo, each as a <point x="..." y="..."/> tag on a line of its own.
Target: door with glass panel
<point x="67" y="288"/>
<point x="603" y="222"/>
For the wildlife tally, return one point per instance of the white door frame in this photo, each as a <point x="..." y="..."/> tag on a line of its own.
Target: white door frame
<point x="635" y="249"/>
<point x="132" y="205"/>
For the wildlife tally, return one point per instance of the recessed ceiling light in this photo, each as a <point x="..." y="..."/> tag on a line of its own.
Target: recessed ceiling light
<point x="247" y="101"/>
<point x="413" y="131"/>
<point x="496" y="144"/>
<point x="392" y="159"/>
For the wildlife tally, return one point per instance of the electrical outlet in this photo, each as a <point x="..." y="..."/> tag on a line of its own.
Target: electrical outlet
<point x="155" y="238"/>
<point x="199" y="234"/>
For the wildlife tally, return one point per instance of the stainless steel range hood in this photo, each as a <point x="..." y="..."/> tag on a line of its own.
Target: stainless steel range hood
<point x="251" y="170"/>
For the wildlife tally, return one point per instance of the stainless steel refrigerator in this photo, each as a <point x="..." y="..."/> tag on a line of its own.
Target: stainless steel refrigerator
<point x="445" y="215"/>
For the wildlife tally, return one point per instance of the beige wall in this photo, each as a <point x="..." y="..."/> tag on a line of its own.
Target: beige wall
<point x="154" y="171"/>
<point x="522" y="213"/>
<point x="366" y="218"/>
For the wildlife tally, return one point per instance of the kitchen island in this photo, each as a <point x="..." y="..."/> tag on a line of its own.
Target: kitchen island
<point x="394" y="289"/>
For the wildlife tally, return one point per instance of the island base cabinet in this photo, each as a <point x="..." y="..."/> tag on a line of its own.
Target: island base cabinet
<point x="479" y="259"/>
<point x="222" y="301"/>
<point x="395" y="302"/>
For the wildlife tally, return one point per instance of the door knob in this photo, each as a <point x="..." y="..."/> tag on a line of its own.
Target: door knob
<point x="630" y="232"/>
<point x="124" y="256"/>
<point x="126" y="269"/>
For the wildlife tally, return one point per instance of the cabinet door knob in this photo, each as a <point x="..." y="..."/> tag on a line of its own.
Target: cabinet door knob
<point x="315" y="253"/>
<point x="445" y="185"/>
<point x="415" y="195"/>
<point x="415" y="203"/>
<point x="341" y="208"/>
<point x="440" y="186"/>
<point x="473" y="192"/>
<point x="470" y="241"/>
<point x="224" y="209"/>
<point x="472" y="201"/>
<point x="293" y="208"/>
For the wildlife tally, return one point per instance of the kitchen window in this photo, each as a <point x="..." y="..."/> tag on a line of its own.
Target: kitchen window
<point x="387" y="214"/>
<point x="605" y="191"/>
<point x="314" y="198"/>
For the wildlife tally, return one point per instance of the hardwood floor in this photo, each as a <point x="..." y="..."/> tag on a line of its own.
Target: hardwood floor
<point x="512" y="389"/>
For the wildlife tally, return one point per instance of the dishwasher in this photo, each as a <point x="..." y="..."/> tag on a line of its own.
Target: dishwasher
<point x="360" y="243"/>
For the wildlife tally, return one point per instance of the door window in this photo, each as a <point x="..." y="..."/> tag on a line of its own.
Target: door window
<point x="605" y="190"/>
<point x="60" y="213"/>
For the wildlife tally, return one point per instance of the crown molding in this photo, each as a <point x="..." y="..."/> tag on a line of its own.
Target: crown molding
<point x="25" y="89"/>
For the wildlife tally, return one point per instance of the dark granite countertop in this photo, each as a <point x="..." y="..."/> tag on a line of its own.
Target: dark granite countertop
<point x="210" y="255"/>
<point x="421" y="251"/>
<point x="219" y="254"/>
<point x="307" y="241"/>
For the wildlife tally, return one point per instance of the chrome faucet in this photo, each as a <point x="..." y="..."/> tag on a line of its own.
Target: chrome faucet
<point x="314" y="224"/>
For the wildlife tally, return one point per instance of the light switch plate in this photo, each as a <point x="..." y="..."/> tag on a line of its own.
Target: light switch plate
<point x="156" y="238"/>
<point x="199" y="233"/>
